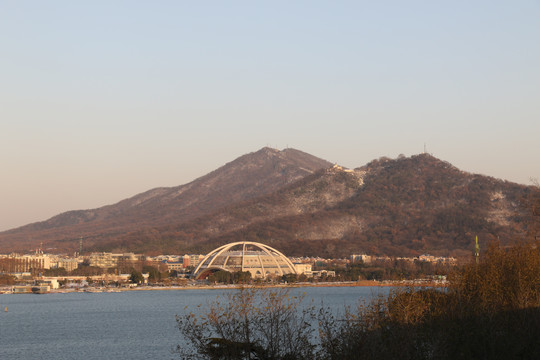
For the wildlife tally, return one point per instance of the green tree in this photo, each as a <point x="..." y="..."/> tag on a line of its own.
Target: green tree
<point x="241" y="277"/>
<point x="221" y="276"/>
<point x="6" y="279"/>
<point x="290" y="278"/>
<point x="136" y="277"/>
<point x="86" y="270"/>
<point x="153" y="273"/>
<point x="55" y="272"/>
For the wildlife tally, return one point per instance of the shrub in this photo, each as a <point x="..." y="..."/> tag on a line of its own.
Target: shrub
<point x="490" y="311"/>
<point x="249" y="324"/>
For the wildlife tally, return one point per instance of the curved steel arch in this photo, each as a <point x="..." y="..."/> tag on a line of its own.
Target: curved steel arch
<point x="214" y="254"/>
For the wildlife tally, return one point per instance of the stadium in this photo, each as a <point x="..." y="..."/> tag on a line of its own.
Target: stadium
<point x="260" y="260"/>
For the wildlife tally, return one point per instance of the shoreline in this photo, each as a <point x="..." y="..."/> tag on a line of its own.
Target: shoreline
<point x="363" y="283"/>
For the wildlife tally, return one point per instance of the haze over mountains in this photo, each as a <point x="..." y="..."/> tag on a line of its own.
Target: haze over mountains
<point x="302" y="205"/>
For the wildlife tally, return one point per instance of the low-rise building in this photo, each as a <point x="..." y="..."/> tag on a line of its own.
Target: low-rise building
<point x="366" y="259"/>
<point x="103" y="260"/>
<point x="51" y="282"/>
<point x="68" y="264"/>
<point x="302" y="268"/>
<point x="174" y="266"/>
<point x="320" y="273"/>
<point x="195" y="259"/>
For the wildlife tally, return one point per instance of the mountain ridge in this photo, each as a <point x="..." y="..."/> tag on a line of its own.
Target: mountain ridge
<point x="438" y="209"/>
<point x="304" y="206"/>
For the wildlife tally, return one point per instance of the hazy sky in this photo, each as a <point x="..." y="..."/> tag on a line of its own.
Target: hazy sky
<point x="101" y="100"/>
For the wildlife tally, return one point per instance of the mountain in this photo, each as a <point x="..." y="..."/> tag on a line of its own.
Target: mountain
<point x="249" y="176"/>
<point x="401" y="207"/>
<point x="302" y="206"/>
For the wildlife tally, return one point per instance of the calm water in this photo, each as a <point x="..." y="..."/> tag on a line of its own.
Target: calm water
<point x="127" y="325"/>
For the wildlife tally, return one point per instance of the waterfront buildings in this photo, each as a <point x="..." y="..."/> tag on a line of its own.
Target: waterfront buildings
<point x="367" y="259"/>
<point x="260" y="260"/>
<point x="106" y="260"/>
<point x="15" y="263"/>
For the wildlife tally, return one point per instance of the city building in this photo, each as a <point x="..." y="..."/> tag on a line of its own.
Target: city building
<point x="175" y="266"/>
<point x="68" y="264"/>
<point x="107" y="260"/>
<point x="303" y="268"/>
<point x="366" y="259"/>
<point x="15" y="263"/>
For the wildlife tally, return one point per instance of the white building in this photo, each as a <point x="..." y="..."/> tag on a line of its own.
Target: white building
<point x="305" y="269"/>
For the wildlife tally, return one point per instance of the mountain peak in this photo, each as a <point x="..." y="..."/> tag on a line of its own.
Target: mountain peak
<point x="251" y="175"/>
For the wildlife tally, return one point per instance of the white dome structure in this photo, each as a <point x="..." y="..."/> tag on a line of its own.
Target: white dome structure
<point x="259" y="259"/>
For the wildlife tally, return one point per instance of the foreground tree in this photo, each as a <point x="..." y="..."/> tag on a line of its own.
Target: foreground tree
<point x="490" y="311"/>
<point x="249" y="324"/>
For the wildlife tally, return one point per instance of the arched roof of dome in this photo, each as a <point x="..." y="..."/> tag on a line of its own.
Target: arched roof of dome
<point x="258" y="261"/>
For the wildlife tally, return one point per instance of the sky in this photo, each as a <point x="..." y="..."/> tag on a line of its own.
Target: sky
<point x="102" y="100"/>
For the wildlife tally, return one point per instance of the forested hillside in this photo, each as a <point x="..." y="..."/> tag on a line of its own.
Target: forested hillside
<point x="405" y="206"/>
<point x="249" y="176"/>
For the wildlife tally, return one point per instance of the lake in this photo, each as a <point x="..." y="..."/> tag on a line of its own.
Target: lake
<point x="124" y="325"/>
